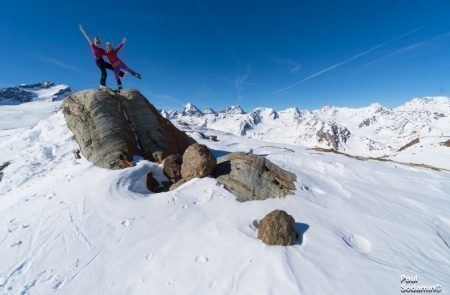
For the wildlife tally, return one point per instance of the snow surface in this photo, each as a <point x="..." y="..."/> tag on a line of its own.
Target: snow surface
<point x="69" y="227"/>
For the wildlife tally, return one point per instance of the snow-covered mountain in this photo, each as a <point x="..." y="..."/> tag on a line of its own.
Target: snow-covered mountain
<point x="191" y="110"/>
<point x="69" y="227"/>
<point x="31" y="92"/>
<point x="374" y="131"/>
<point x="25" y="105"/>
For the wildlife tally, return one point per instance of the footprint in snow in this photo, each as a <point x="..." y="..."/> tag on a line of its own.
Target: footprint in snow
<point x="357" y="242"/>
<point x="13" y="224"/>
<point x="201" y="259"/>
<point x="304" y="188"/>
<point x="18" y="243"/>
<point x="126" y="223"/>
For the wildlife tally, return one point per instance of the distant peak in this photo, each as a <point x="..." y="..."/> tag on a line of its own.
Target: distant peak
<point x="440" y="104"/>
<point x="42" y="85"/>
<point x="233" y="110"/>
<point x="191" y="110"/>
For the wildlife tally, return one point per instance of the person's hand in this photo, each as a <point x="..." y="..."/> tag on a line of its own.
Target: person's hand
<point x="81" y="27"/>
<point x="124" y="40"/>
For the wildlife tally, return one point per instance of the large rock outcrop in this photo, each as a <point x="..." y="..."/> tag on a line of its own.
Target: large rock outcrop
<point x="252" y="177"/>
<point x="111" y="128"/>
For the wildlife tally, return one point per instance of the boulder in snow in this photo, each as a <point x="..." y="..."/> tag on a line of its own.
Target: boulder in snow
<point x="198" y="161"/>
<point x="277" y="228"/>
<point x="252" y="177"/>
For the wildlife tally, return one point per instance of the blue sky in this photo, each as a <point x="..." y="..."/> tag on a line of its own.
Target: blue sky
<point x="253" y="53"/>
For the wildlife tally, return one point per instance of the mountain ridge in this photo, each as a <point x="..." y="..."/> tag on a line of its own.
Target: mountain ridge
<point x="374" y="130"/>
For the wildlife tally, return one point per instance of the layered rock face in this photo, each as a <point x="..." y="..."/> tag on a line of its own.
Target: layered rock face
<point x="112" y="128"/>
<point x="252" y="177"/>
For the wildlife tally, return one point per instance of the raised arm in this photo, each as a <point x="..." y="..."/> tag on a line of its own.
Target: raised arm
<point x="85" y="35"/>
<point x="124" y="40"/>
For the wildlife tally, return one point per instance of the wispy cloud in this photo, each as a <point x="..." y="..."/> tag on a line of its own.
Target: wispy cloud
<point x="239" y="81"/>
<point x="339" y="64"/>
<point x="56" y="62"/>
<point x="330" y="68"/>
<point x="294" y="66"/>
<point x="411" y="47"/>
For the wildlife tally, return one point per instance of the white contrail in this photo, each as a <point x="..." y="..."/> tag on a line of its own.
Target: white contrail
<point x="330" y="68"/>
<point x="344" y="62"/>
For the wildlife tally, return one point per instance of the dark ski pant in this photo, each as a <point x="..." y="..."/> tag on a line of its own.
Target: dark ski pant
<point x="103" y="66"/>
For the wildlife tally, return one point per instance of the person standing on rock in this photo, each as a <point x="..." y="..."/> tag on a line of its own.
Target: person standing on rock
<point x="117" y="63"/>
<point x="99" y="61"/>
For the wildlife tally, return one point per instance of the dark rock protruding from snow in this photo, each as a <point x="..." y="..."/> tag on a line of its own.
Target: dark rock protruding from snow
<point x="198" y="161"/>
<point x="252" y="177"/>
<point x="17" y="94"/>
<point x="112" y="128"/>
<point x="3" y="166"/>
<point x="152" y="183"/>
<point x="277" y="228"/>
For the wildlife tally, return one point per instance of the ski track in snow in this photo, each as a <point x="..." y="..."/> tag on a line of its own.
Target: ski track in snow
<point x="69" y="227"/>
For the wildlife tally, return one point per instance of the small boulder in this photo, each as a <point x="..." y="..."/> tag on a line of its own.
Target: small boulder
<point x="152" y="183"/>
<point x="198" y="161"/>
<point x="76" y="154"/>
<point x="172" y="167"/>
<point x="277" y="228"/>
